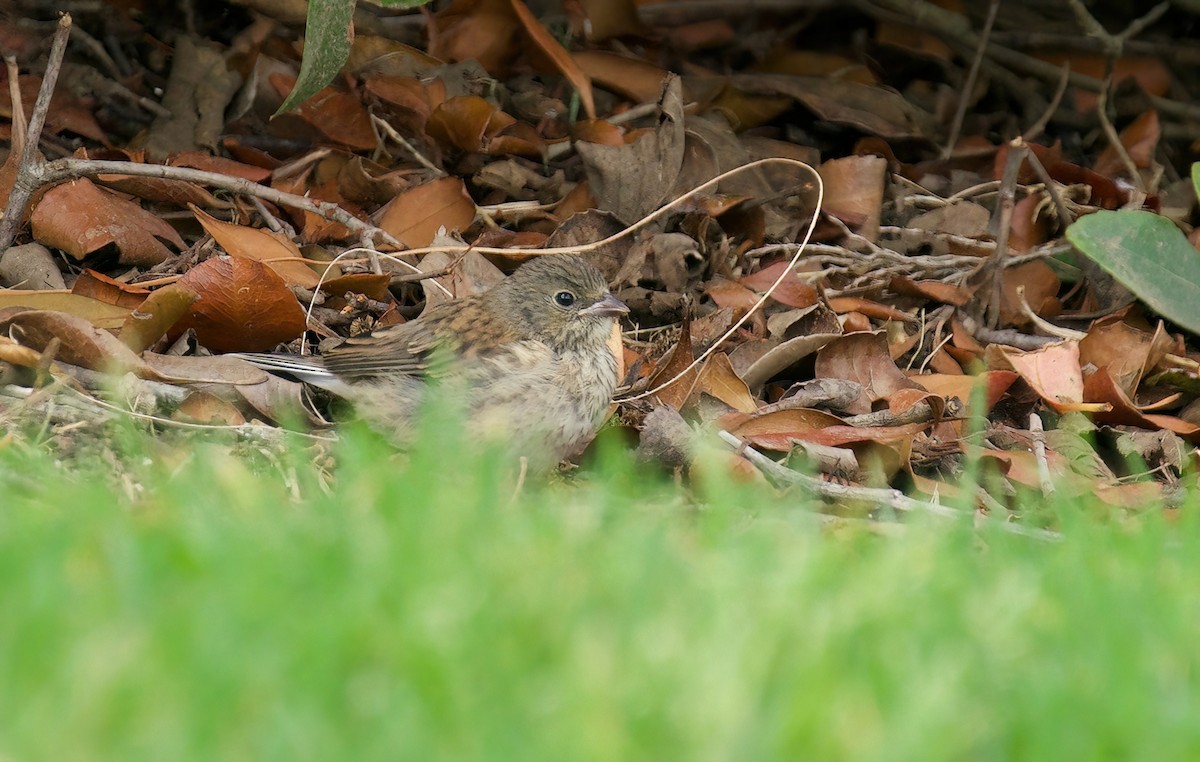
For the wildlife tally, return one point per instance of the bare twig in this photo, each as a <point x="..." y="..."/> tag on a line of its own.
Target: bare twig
<point x="28" y="180"/>
<point x="885" y="498"/>
<point x="1065" y="217"/>
<point x="972" y="77"/>
<point x="1037" y="128"/>
<point x="391" y="133"/>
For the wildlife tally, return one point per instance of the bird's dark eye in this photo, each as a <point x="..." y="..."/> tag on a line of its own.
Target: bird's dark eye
<point x="564" y="298"/>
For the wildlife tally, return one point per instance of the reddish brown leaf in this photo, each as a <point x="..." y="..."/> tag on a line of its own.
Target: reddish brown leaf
<point x="81" y="218"/>
<point x="243" y="307"/>
<point x="1100" y="387"/>
<point x="844" y="304"/>
<point x="675" y="362"/>
<point x="202" y="407"/>
<point x="854" y="191"/>
<point x="1124" y="351"/>
<point x="931" y="289"/>
<point x="995" y="383"/>
<point x="729" y="294"/>
<point x="634" y="78"/>
<point x="338" y="116"/>
<point x="476" y="29"/>
<point x="102" y="288"/>
<point x="612" y="18"/>
<point x="793" y="291"/>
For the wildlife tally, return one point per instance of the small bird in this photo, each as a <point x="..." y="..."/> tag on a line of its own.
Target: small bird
<point x="528" y="360"/>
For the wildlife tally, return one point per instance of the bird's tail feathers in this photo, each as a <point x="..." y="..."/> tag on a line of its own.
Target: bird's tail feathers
<point x="308" y="369"/>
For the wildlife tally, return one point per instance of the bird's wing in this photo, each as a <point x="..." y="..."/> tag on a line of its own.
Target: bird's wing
<point x="427" y="347"/>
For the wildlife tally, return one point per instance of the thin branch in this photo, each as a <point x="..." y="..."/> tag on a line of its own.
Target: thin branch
<point x="28" y="179"/>
<point x="886" y="498"/>
<point x="972" y="77"/>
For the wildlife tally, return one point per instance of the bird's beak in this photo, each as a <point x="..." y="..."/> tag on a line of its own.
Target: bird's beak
<point x="609" y="306"/>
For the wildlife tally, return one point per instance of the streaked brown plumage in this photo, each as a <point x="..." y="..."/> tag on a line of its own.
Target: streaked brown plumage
<point x="528" y="361"/>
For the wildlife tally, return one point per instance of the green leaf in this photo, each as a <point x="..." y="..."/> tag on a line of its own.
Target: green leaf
<point x="1148" y="255"/>
<point x="328" y="32"/>
<point x="1196" y="178"/>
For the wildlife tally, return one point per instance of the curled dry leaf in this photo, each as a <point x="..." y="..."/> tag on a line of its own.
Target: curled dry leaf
<point x="1124" y="351"/>
<point x="854" y="191"/>
<point x="1101" y="388"/>
<point x="80" y="218"/>
<point x="783" y="356"/>
<point x="244" y="306"/>
<point x="275" y="250"/>
<point x="98" y="286"/>
<point x="30" y="267"/>
<point x="676" y="361"/>
<point x="1052" y="371"/>
<point x="470" y="123"/>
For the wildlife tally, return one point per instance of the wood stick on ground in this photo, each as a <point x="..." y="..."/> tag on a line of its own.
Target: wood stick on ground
<point x="885" y="498"/>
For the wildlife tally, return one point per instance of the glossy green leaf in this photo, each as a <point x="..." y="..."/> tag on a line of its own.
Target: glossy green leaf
<point x="328" y="32"/>
<point x="1148" y="255"/>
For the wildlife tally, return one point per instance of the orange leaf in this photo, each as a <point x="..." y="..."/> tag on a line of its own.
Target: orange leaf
<point x="263" y="246"/>
<point x="415" y="215"/>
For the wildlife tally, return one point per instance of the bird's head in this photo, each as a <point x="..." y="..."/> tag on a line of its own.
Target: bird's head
<point x="562" y="300"/>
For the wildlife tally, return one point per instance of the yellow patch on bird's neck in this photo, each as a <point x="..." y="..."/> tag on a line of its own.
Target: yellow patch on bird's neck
<point x="617" y="348"/>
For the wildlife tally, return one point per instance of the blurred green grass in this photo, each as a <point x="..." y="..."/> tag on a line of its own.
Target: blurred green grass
<point x="196" y="609"/>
